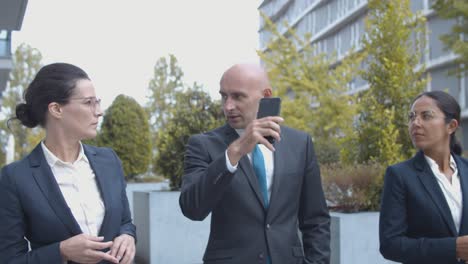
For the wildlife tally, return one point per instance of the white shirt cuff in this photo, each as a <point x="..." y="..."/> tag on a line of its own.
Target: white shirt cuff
<point x="230" y="168"/>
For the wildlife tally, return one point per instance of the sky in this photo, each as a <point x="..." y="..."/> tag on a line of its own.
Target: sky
<point x="118" y="42"/>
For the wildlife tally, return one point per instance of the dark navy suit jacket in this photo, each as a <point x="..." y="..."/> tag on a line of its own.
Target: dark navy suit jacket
<point x="32" y="206"/>
<point x="416" y="225"/>
<point x="242" y="229"/>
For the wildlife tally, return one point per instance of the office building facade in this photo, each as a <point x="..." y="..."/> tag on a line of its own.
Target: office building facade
<point x="338" y="26"/>
<point x="11" y="18"/>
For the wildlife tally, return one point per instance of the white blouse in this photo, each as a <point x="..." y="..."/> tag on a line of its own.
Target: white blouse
<point x="78" y="185"/>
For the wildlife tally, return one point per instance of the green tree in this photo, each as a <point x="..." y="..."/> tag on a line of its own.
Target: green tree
<point x="193" y="112"/>
<point x="394" y="43"/>
<point x="313" y="88"/>
<point x="457" y="39"/>
<point x="2" y="150"/>
<point x="167" y="81"/>
<point x="26" y="63"/>
<point x="125" y="129"/>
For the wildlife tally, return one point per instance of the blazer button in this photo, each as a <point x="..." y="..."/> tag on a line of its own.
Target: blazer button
<point x="268" y="226"/>
<point x="260" y="256"/>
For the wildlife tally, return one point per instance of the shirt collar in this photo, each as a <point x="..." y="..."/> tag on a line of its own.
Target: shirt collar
<point x="52" y="160"/>
<point x="434" y="164"/>
<point x="240" y="131"/>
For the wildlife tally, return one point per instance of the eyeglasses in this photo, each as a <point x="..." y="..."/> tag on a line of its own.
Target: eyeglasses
<point x="92" y="102"/>
<point x="425" y="116"/>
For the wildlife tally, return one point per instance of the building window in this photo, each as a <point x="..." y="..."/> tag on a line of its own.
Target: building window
<point x="337" y="39"/>
<point x="442" y="81"/>
<point x="4" y="43"/>
<point x="416" y="5"/>
<point x="438" y="27"/>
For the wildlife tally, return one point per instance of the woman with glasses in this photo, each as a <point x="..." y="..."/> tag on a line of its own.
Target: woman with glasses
<point x="424" y="209"/>
<point x="66" y="198"/>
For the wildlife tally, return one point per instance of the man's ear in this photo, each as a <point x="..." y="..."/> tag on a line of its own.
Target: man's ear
<point x="55" y="110"/>
<point x="267" y="92"/>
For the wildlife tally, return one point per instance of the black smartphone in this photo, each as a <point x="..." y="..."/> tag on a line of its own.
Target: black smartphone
<point x="269" y="106"/>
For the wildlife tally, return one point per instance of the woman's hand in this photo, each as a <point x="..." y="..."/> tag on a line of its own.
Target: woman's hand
<point x="86" y="249"/>
<point x="462" y="248"/>
<point x="123" y="249"/>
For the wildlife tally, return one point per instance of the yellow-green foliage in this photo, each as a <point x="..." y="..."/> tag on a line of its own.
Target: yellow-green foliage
<point x="193" y="112"/>
<point x="393" y="56"/>
<point x="125" y="129"/>
<point x="26" y="62"/>
<point x="370" y="130"/>
<point x="314" y="94"/>
<point x="2" y="157"/>
<point x="388" y="146"/>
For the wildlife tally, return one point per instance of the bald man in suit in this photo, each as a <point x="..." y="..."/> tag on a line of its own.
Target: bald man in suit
<point x="259" y="194"/>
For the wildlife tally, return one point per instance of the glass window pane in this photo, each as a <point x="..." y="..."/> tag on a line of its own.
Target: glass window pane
<point x="441" y="80"/>
<point x="437" y="28"/>
<point x="416" y="5"/>
<point x="4" y="44"/>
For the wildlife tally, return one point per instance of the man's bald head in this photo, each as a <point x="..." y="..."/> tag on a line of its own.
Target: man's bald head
<point x="246" y="72"/>
<point x="241" y="88"/>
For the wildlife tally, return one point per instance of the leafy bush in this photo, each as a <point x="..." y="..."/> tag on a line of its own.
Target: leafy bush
<point x="352" y="188"/>
<point x="193" y="112"/>
<point x="327" y="153"/>
<point x="125" y="129"/>
<point x="2" y="158"/>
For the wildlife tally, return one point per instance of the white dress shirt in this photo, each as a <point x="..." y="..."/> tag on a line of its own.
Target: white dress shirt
<point x="267" y="157"/>
<point x="78" y="185"/>
<point x="452" y="191"/>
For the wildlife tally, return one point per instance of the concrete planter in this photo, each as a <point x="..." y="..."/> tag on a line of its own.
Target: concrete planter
<point x="144" y="187"/>
<point x="164" y="234"/>
<point x="355" y="238"/>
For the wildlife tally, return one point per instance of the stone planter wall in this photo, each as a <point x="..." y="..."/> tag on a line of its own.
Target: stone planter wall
<point x="144" y="187"/>
<point x="164" y="234"/>
<point x="355" y="238"/>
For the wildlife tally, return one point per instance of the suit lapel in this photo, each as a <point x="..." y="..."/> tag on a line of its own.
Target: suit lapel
<point x="278" y="166"/>
<point x="103" y="183"/>
<point x="50" y="189"/>
<point x="462" y="173"/>
<point x="245" y="165"/>
<point x="432" y="187"/>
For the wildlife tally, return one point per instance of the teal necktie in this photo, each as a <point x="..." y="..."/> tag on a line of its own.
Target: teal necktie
<point x="259" y="167"/>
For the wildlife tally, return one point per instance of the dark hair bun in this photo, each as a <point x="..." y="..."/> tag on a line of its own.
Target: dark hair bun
<point x="24" y="115"/>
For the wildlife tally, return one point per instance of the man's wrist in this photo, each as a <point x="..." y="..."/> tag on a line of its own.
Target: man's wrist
<point x="233" y="154"/>
<point x="231" y="168"/>
<point x="62" y="253"/>
<point x="458" y="248"/>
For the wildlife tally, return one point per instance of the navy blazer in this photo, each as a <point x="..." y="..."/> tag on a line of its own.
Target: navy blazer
<point x="242" y="229"/>
<point x="416" y="225"/>
<point x="33" y="207"/>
